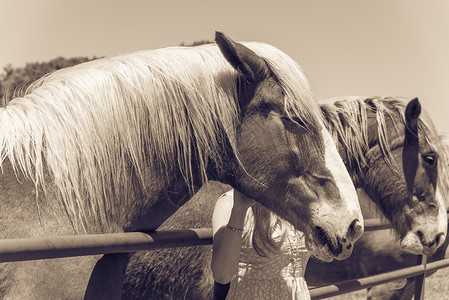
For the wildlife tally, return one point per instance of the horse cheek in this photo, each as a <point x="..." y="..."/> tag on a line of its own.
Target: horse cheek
<point x="257" y="172"/>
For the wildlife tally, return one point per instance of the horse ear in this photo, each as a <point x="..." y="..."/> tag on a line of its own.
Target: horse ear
<point x="412" y="113"/>
<point x="252" y="66"/>
<point x="411" y="143"/>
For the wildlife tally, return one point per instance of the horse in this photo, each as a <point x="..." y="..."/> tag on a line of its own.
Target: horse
<point x="370" y="134"/>
<point x="379" y="251"/>
<point x="120" y="143"/>
<point x="413" y="152"/>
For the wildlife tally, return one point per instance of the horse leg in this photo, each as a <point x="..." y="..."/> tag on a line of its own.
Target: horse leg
<point x="106" y="280"/>
<point x="396" y="290"/>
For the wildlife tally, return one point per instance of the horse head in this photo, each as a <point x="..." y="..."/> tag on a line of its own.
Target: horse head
<point x="401" y="173"/>
<point x="298" y="173"/>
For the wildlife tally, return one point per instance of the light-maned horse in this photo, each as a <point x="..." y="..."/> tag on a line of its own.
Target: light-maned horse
<point x="380" y="251"/>
<point x="119" y="144"/>
<point x="370" y="134"/>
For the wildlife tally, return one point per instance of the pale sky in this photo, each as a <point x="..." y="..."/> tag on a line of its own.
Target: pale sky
<point x="357" y="47"/>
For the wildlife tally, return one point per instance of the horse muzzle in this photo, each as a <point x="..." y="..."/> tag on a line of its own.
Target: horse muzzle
<point x="417" y="243"/>
<point x="328" y="247"/>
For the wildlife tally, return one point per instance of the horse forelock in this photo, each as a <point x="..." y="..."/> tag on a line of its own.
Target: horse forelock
<point x="96" y="125"/>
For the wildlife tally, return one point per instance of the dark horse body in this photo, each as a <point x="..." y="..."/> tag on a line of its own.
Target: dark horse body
<point x="370" y="133"/>
<point x="119" y="144"/>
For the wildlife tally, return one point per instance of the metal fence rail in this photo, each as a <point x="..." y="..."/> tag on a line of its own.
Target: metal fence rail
<point x="79" y="245"/>
<point x="348" y="286"/>
<point x="93" y="244"/>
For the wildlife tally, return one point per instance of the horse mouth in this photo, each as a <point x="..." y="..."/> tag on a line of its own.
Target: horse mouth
<point x="413" y="243"/>
<point x="427" y="229"/>
<point x="321" y="252"/>
<point x="327" y="248"/>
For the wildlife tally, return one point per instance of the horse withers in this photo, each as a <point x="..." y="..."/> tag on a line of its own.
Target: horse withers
<point x="119" y="144"/>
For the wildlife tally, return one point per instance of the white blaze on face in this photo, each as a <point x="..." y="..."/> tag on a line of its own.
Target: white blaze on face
<point x="339" y="172"/>
<point x="338" y="217"/>
<point x="442" y="215"/>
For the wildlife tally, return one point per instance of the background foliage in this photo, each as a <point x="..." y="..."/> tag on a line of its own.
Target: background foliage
<point x="14" y="81"/>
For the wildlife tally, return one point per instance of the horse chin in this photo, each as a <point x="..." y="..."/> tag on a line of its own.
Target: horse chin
<point x="412" y="243"/>
<point x="324" y="255"/>
<point x="319" y="244"/>
<point x="321" y="252"/>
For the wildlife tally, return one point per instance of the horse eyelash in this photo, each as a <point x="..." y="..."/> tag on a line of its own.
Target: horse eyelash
<point x="430" y="158"/>
<point x="295" y="120"/>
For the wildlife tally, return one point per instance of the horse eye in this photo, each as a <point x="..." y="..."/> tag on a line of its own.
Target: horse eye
<point x="296" y="121"/>
<point x="430" y="158"/>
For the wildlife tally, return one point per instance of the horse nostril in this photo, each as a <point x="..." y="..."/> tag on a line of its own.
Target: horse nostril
<point x="321" y="235"/>
<point x="420" y="235"/>
<point x="354" y="229"/>
<point x="437" y="239"/>
<point x="440" y="237"/>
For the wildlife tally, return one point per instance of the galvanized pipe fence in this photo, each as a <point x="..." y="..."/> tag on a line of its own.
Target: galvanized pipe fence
<point x="24" y="249"/>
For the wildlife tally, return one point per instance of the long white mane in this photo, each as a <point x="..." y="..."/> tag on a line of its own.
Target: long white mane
<point x="99" y="128"/>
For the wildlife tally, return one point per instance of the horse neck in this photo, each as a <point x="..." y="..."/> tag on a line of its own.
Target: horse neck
<point x="164" y="198"/>
<point x="177" y="189"/>
<point x="368" y="206"/>
<point x="173" y="192"/>
<point x="370" y="145"/>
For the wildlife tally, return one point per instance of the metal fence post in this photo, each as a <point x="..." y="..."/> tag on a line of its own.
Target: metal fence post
<point x="420" y="280"/>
